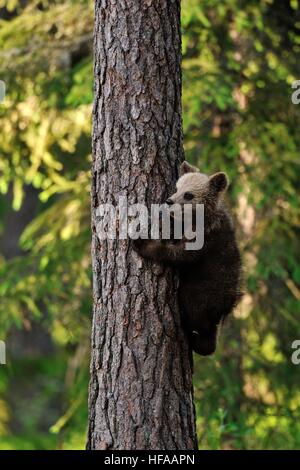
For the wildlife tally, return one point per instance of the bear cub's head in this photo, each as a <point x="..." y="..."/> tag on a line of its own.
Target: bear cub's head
<point x="194" y="187"/>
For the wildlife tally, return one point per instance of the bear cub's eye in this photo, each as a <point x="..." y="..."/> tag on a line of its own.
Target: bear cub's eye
<point x="188" y="196"/>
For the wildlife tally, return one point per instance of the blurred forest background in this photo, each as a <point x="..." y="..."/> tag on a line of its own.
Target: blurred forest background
<point x="240" y="59"/>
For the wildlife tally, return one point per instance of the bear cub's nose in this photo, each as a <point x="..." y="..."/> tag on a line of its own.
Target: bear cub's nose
<point x="169" y="201"/>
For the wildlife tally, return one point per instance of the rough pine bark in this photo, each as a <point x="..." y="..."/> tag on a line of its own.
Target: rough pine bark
<point x="141" y="381"/>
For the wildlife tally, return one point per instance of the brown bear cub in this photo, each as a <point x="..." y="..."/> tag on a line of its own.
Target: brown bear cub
<point x="209" y="278"/>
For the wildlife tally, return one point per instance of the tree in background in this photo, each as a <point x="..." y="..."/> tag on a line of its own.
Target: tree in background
<point x="141" y="393"/>
<point x="239" y="61"/>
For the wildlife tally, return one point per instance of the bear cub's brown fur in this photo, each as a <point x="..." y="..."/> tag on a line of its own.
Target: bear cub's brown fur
<point x="209" y="285"/>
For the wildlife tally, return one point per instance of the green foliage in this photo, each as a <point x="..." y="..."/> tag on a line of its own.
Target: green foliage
<point x="240" y="59"/>
<point x="45" y="143"/>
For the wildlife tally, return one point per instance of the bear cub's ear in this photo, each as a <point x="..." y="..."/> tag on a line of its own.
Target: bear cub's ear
<point x="185" y="167"/>
<point x="218" y="182"/>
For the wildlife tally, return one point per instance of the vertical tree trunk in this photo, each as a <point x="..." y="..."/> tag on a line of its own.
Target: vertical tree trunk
<point x="141" y="381"/>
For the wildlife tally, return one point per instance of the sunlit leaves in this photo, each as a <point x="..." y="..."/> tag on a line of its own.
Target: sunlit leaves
<point x="46" y="62"/>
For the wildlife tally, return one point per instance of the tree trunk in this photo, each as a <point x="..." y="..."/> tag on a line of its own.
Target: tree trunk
<point x="141" y="393"/>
